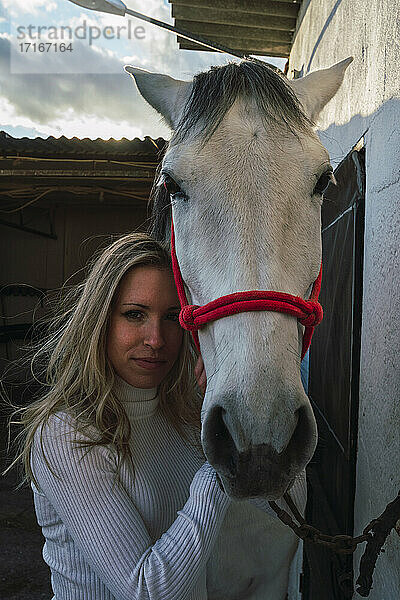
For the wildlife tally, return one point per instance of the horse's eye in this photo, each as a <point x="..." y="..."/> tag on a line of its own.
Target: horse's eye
<point x="172" y="187"/>
<point x="323" y="182"/>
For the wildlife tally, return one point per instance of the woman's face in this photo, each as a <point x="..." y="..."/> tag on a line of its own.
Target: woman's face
<point x="144" y="336"/>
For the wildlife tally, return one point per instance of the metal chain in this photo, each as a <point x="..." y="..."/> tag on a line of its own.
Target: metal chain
<point x="342" y="544"/>
<point x="375" y="534"/>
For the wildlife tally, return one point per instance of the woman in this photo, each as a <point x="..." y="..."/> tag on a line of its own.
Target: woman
<point x="127" y="505"/>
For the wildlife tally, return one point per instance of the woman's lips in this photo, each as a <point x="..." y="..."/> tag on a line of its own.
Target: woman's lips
<point x="150" y="364"/>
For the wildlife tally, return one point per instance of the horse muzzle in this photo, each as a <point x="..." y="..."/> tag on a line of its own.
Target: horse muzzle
<point x="256" y="470"/>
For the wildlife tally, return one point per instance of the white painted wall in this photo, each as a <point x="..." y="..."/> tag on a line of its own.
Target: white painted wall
<point x="368" y="104"/>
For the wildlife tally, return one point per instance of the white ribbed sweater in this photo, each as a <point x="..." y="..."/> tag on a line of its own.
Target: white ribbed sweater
<point x="146" y="539"/>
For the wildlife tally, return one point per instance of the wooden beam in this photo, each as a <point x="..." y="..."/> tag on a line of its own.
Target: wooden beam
<point x="260" y="47"/>
<point x="224" y="17"/>
<point x="259" y="7"/>
<point x="218" y="32"/>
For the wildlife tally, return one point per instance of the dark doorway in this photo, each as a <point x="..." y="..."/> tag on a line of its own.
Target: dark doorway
<point x="334" y="381"/>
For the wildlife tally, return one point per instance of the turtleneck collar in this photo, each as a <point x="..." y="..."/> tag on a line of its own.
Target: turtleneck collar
<point x="138" y="403"/>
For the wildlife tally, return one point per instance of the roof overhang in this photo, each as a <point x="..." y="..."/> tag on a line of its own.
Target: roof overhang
<point x="53" y="171"/>
<point x="253" y="26"/>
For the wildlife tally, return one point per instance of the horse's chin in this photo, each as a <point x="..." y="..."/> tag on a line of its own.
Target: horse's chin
<point x="243" y="490"/>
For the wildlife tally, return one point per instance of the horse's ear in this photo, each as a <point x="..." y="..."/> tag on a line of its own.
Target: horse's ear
<point x="315" y="90"/>
<point x="167" y="95"/>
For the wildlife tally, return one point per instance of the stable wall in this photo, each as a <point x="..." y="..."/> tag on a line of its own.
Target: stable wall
<point x="368" y="106"/>
<point x="38" y="262"/>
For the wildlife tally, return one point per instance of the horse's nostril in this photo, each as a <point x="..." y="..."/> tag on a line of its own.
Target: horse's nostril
<point x="302" y="428"/>
<point x="218" y="444"/>
<point x="302" y="443"/>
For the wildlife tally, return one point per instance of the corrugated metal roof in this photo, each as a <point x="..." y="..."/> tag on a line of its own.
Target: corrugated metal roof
<point x="48" y="172"/>
<point x="62" y="147"/>
<point x="250" y="26"/>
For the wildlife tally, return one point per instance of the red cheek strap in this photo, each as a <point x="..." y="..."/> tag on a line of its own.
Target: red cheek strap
<point x="192" y="317"/>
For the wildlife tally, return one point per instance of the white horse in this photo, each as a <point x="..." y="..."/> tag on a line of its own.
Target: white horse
<point x="245" y="173"/>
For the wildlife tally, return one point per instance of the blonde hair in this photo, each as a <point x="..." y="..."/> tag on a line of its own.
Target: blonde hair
<point x="78" y="376"/>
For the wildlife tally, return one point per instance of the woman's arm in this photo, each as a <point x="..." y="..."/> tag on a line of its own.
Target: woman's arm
<point x="108" y="530"/>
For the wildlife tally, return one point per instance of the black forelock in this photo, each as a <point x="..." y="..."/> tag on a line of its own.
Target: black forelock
<point x="215" y="91"/>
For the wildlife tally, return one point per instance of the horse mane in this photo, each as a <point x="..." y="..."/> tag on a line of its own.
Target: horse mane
<point x="213" y="94"/>
<point x="160" y="215"/>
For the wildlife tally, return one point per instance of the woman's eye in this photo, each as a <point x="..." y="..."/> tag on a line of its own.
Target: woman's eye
<point x="323" y="182"/>
<point x="172" y="187"/>
<point x="133" y="314"/>
<point x="173" y="317"/>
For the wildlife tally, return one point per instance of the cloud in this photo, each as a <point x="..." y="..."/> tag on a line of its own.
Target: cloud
<point x="96" y="105"/>
<point x="104" y="103"/>
<point x="71" y="124"/>
<point x="87" y="37"/>
<point x="16" y="7"/>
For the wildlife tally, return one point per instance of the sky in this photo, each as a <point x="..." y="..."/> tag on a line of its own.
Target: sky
<point x="61" y="69"/>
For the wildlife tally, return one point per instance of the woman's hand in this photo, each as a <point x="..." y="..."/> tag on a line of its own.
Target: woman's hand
<point x="200" y="375"/>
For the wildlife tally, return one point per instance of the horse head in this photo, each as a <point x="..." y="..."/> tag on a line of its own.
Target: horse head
<point x="244" y="174"/>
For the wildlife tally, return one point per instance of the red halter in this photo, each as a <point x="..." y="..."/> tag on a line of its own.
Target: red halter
<point x="192" y="317"/>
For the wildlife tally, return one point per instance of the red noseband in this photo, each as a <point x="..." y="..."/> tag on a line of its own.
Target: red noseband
<point x="192" y="317"/>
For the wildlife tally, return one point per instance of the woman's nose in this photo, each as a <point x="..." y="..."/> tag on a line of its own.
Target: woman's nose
<point x="153" y="335"/>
